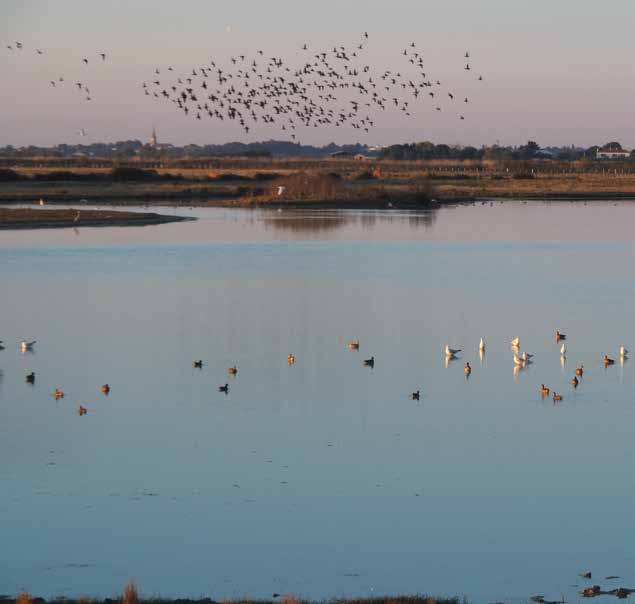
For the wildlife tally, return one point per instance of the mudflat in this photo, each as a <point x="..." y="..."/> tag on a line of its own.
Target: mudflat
<point x="32" y="218"/>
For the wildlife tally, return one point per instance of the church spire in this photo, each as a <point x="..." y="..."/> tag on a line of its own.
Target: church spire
<point x="153" y="137"/>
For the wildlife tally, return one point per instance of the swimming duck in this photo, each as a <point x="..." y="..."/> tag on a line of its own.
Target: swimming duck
<point x="224" y="388"/>
<point x="560" y="336"/>
<point x="579" y="370"/>
<point x="198" y="364"/>
<point x="233" y="370"/>
<point x="290" y="359"/>
<point x="467" y="369"/>
<point x="557" y="397"/>
<point x="105" y="389"/>
<point x="544" y="391"/>
<point x="370" y="362"/>
<point x="82" y="410"/>
<point x="58" y="394"/>
<point x="353" y="345"/>
<point x="575" y="382"/>
<point x="451" y="352"/>
<point x="30" y="377"/>
<point x="608" y="361"/>
<point x="515" y="342"/>
<point x="525" y="356"/>
<point x="415" y="396"/>
<point x="1" y="345"/>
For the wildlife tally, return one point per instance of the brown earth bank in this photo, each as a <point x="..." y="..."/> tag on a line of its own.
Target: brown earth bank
<point x="31" y="218"/>
<point x="330" y="184"/>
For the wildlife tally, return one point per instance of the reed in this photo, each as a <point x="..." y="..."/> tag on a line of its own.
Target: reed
<point x="130" y="594"/>
<point x="24" y="597"/>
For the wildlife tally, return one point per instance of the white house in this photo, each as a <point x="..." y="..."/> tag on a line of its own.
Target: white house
<point x="612" y="154"/>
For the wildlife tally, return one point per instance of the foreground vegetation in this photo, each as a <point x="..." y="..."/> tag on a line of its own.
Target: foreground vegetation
<point x="130" y="595"/>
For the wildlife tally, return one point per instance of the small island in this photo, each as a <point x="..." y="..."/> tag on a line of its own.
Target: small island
<point x="36" y="218"/>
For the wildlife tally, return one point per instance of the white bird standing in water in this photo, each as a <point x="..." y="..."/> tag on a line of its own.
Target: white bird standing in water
<point x="481" y="345"/>
<point x="519" y="361"/>
<point x="451" y="352"/>
<point x="563" y="350"/>
<point x="623" y="352"/>
<point x="515" y="342"/>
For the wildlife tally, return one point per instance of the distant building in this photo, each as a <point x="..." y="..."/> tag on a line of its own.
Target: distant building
<point x="612" y="150"/>
<point x="153" y="138"/>
<point x="612" y="154"/>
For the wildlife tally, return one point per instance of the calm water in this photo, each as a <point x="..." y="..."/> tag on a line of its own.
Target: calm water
<point x="320" y="479"/>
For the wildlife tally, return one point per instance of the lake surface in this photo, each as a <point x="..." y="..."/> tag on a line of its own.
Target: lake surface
<point x="323" y="478"/>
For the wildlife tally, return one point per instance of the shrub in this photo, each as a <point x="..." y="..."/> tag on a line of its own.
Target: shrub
<point x="305" y="186"/>
<point x="266" y="176"/>
<point x="65" y="175"/>
<point x="365" y="175"/>
<point x="7" y="175"/>
<point x="128" y="174"/>
<point x="24" y="598"/>
<point x="228" y="176"/>
<point x="130" y="594"/>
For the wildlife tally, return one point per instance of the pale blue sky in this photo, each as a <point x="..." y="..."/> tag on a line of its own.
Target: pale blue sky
<point x="559" y="71"/>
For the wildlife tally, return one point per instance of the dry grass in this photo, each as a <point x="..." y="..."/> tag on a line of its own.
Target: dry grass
<point x="311" y="180"/>
<point x="130" y="594"/>
<point x="24" y="598"/>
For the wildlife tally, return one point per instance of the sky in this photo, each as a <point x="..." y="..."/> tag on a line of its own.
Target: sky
<point x="559" y="72"/>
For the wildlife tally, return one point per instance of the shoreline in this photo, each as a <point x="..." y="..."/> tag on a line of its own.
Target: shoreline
<point x="336" y="204"/>
<point x="225" y="200"/>
<point x="37" y="217"/>
<point x="31" y="218"/>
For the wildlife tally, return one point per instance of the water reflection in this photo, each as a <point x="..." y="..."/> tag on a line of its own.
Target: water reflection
<point x="307" y="221"/>
<point x="289" y="221"/>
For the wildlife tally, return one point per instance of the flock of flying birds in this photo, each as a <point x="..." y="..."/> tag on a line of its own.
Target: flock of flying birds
<point x="334" y="87"/>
